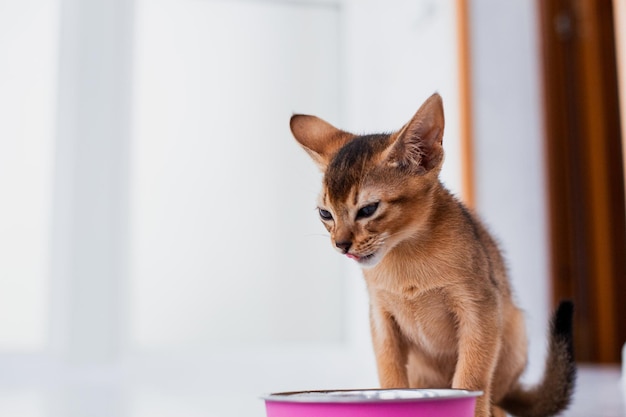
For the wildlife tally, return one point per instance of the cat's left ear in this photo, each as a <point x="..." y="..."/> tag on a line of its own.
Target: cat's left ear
<point x="419" y="144"/>
<point x="319" y="138"/>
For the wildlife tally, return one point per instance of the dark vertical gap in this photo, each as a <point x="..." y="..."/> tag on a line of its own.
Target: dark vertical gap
<point x="566" y="167"/>
<point x="577" y="196"/>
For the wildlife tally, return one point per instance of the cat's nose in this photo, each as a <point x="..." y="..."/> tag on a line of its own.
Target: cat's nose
<point x="344" y="245"/>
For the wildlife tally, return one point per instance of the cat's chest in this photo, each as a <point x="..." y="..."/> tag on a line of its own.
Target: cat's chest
<point x="415" y="294"/>
<point x="423" y="318"/>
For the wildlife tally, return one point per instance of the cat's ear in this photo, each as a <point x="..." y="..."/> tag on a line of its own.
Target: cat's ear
<point x="320" y="139"/>
<point x="418" y="146"/>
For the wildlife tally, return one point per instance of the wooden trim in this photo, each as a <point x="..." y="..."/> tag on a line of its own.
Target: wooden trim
<point x="465" y="100"/>
<point x="596" y="150"/>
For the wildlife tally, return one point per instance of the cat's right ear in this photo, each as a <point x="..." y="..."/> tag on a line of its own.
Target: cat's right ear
<point x="320" y="139"/>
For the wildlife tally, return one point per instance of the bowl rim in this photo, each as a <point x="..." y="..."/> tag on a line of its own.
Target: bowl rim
<point x="370" y="395"/>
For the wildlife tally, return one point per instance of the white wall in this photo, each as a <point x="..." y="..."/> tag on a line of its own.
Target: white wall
<point x="28" y="75"/>
<point x="222" y="197"/>
<point x="509" y="152"/>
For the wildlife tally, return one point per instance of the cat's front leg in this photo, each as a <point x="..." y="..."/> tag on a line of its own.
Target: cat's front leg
<point x="390" y="349"/>
<point x="479" y="341"/>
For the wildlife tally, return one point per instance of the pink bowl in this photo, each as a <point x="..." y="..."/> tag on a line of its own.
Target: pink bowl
<point x="373" y="403"/>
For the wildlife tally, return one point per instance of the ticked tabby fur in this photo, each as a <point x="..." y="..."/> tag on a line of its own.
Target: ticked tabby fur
<point x="441" y="309"/>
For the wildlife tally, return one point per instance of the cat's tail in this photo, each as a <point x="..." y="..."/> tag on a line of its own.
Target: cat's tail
<point x="554" y="393"/>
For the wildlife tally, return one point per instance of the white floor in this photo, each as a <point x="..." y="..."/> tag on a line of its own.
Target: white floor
<point x="599" y="394"/>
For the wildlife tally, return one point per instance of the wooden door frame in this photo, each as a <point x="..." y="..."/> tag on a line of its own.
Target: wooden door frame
<point x="465" y="100"/>
<point x="585" y="171"/>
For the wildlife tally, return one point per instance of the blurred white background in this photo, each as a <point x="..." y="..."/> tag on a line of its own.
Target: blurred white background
<point x="159" y="250"/>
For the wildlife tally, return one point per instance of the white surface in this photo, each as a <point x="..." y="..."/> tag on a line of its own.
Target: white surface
<point x="88" y="247"/>
<point x="28" y="70"/>
<point x="624" y="373"/>
<point x="225" y="245"/>
<point x="597" y="393"/>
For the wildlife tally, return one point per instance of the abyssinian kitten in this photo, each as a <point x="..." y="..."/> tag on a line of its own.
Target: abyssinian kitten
<point x="441" y="308"/>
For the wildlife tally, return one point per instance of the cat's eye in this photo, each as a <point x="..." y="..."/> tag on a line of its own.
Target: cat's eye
<point x="367" y="211"/>
<point x="325" y="214"/>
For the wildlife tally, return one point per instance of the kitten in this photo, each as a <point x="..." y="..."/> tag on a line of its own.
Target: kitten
<point x="441" y="308"/>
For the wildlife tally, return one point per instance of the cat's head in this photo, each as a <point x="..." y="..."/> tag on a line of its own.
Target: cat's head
<point x="378" y="189"/>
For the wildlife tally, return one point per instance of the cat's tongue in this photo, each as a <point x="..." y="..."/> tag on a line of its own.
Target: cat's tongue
<point x="351" y="256"/>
